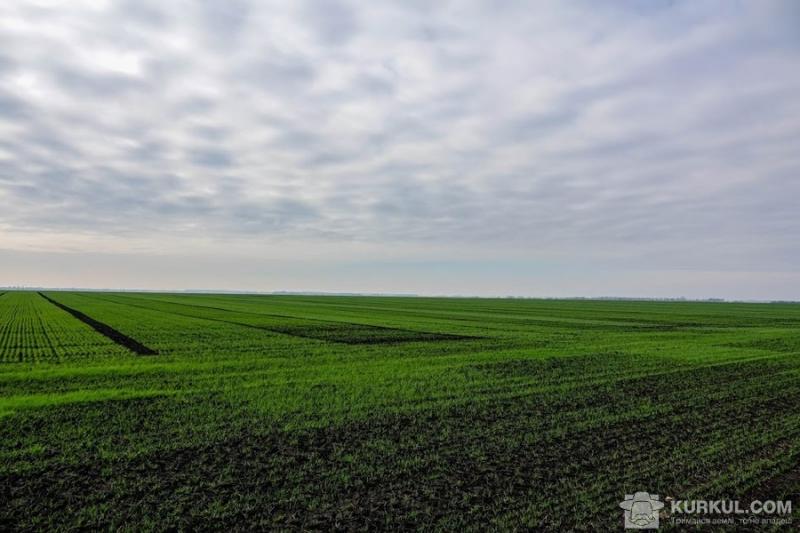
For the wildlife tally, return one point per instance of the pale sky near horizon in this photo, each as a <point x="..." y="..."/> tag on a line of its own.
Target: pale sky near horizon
<point x="561" y="148"/>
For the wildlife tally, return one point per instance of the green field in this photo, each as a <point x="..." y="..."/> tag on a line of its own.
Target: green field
<point x="319" y="413"/>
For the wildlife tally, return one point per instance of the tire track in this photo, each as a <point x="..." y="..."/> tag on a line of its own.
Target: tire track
<point x="293" y="331"/>
<point x="106" y="330"/>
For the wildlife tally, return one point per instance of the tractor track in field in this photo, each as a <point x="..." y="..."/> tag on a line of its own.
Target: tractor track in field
<point x="105" y="330"/>
<point x="299" y="331"/>
<point x="270" y="315"/>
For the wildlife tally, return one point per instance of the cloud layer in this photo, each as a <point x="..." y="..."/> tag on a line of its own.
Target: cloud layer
<point x="650" y="136"/>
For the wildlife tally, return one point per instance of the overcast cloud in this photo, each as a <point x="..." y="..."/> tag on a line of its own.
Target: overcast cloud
<point x="514" y="147"/>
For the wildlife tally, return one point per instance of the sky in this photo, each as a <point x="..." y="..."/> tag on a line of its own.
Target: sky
<point x="554" y="148"/>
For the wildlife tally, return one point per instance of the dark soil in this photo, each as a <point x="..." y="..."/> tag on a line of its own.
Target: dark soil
<point x="455" y="468"/>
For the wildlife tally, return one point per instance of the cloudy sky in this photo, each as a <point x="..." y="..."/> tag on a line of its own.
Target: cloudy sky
<point x="632" y="148"/>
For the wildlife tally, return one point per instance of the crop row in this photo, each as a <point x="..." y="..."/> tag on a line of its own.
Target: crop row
<point x="174" y="334"/>
<point x="33" y="330"/>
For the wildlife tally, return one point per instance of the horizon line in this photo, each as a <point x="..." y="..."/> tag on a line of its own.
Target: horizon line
<point x="25" y="288"/>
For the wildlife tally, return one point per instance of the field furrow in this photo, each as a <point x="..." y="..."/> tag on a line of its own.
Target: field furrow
<point x="105" y="330"/>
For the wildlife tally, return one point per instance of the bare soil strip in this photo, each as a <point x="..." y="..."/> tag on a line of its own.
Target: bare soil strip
<point x="104" y="329"/>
